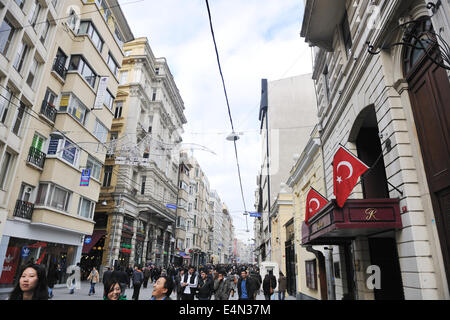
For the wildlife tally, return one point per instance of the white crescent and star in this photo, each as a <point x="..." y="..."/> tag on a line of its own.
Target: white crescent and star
<point x="350" y="168"/>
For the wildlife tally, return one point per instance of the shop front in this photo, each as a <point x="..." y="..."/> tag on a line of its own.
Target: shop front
<point x="48" y="254"/>
<point x="372" y="220"/>
<point x="92" y="253"/>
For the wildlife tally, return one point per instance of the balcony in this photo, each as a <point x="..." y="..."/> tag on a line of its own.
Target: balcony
<point x="36" y="157"/>
<point x="59" y="68"/>
<point x="23" y="209"/>
<point x="48" y="110"/>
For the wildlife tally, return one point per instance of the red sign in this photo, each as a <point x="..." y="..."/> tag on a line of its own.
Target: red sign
<point x="126" y="250"/>
<point x="37" y="245"/>
<point x="346" y="171"/>
<point x="10" y="265"/>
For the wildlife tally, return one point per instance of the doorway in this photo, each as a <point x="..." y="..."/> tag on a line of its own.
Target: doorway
<point x="429" y="92"/>
<point x="383" y="253"/>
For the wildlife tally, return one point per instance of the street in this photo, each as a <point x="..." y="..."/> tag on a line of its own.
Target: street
<point x="145" y="293"/>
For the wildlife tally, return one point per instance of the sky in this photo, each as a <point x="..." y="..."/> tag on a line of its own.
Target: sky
<point x="256" y="39"/>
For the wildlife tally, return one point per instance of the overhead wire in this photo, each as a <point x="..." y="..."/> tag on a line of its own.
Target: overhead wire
<point x="228" y="105"/>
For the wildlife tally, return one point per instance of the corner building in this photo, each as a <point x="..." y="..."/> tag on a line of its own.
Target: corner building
<point x="394" y="104"/>
<point x="51" y="70"/>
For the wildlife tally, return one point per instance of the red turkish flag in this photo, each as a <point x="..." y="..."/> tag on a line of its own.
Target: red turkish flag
<point x="314" y="202"/>
<point x="346" y="171"/>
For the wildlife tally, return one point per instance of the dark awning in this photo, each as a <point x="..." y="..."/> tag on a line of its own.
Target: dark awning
<point x="333" y="225"/>
<point x="94" y="239"/>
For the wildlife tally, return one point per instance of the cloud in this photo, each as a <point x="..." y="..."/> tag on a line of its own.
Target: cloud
<point x="256" y="39"/>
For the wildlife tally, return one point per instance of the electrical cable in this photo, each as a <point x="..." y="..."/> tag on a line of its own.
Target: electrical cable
<point x="228" y="104"/>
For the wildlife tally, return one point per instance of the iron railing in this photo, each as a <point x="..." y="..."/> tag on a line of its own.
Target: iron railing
<point x="24" y="209"/>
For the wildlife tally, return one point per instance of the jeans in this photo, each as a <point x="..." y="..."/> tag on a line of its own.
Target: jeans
<point x="204" y="298"/>
<point x="281" y="294"/>
<point x="50" y="292"/>
<point x="136" y="289"/>
<point x="92" y="290"/>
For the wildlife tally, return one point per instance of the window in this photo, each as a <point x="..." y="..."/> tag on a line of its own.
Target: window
<point x="87" y="27"/>
<point x="20" y="3"/>
<point x="19" y="118"/>
<point x="327" y="82"/>
<point x="33" y="72"/>
<point x="22" y="51"/>
<point x="95" y="167"/>
<point x="154" y="94"/>
<point x="38" y="142"/>
<point x="71" y="104"/>
<point x="35" y="10"/>
<point x="109" y="100"/>
<point x="45" y="32"/>
<point x="195" y="220"/>
<point x="86" y="208"/>
<point x="78" y="63"/>
<point x="107" y="176"/>
<point x="127" y="53"/>
<point x="54" y="3"/>
<point x="72" y="21"/>
<point x="64" y="150"/>
<point x="118" y="111"/>
<point x="53" y="196"/>
<point x="113" y="65"/>
<point x="311" y="275"/>
<point x="5" y="101"/>
<point x="100" y="131"/>
<point x="156" y="70"/>
<point x="123" y="77"/>
<point x="346" y="35"/>
<point x="196" y="204"/>
<point x="4" y="171"/>
<point x="189" y="207"/>
<point x="6" y="35"/>
<point x="105" y="10"/>
<point x="143" y="180"/>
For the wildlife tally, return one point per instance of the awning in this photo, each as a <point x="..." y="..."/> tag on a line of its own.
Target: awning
<point x="94" y="239"/>
<point x="333" y="225"/>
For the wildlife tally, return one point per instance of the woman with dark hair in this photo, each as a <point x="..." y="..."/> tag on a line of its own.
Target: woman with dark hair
<point x="113" y="290"/>
<point x="32" y="284"/>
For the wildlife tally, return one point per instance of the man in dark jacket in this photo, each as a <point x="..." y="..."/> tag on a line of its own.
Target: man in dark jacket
<point x="189" y="284"/>
<point x="122" y="277"/>
<point x="269" y="285"/>
<point x="107" y="275"/>
<point x="129" y="272"/>
<point x="138" y="278"/>
<point x="147" y="274"/>
<point x="246" y="287"/>
<point x="205" y="286"/>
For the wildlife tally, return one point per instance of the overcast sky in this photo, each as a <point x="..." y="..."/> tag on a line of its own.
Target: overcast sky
<point x="256" y="39"/>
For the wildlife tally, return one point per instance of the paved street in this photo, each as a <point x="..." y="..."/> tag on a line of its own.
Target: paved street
<point x="145" y="294"/>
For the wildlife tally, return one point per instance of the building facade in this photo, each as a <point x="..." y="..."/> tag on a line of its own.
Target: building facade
<point x="57" y="118"/>
<point x="391" y="104"/>
<point x="140" y="177"/>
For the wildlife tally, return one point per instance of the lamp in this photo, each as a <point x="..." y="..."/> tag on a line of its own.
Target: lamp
<point x="104" y="203"/>
<point x="233" y="137"/>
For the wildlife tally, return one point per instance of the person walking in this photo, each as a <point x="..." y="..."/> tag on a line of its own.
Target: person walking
<point x="138" y="278"/>
<point x="129" y="272"/>
<point x="269" y="285"/>
<point x="189" y="284"/>
<point x="93" y="277"/>
<point x="282" y="284"/>
<point x="233" y="280"/>
<point x="246" y="287"/>
<point x="205" y="286"/>
<point x="221" y="287"/>
<point x="179" y="288"/>
<point x="32" y="284"/>
<point x="52" y="278"/>
<point x="147" y="274"/>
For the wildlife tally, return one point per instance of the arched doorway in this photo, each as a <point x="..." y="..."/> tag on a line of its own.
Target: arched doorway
<point x="382" y="246"/>
<point x="429" y="92"/>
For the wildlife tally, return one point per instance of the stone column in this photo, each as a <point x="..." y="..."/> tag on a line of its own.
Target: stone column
<point x="144" y="249"/>
<point x="113" y="239"/>
<point x="133" y="244"/>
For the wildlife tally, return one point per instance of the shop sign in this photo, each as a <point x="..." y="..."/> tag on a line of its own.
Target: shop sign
<point x="10" y="265"/>
<point x="126" y="250"/>
<point x="87" y="240"/>
<point x="25" y="252"/>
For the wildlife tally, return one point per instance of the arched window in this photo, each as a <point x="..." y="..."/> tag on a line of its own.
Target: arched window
<point x="420" y="36"/>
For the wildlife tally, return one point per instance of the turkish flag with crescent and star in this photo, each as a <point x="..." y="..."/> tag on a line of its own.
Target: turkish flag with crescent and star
<point x="314" y="202"/>
<point x="346" y="171"/>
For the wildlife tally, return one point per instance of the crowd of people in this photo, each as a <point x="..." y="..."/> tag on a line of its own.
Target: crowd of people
<point x="218" y="282"/>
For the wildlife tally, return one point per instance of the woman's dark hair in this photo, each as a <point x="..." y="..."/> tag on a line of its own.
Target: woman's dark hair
<point x="41" y="290"/>
<point x="109" y="285"/>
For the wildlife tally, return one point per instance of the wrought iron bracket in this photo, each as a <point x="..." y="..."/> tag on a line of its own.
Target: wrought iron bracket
<point x="432" y="38"/>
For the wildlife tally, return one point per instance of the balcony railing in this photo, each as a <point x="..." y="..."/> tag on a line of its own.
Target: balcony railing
<point x="36" y="157"/>
<point x="59" y="68"/>
<point x="49" y="110"/>
<point x="23" y="209"/>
